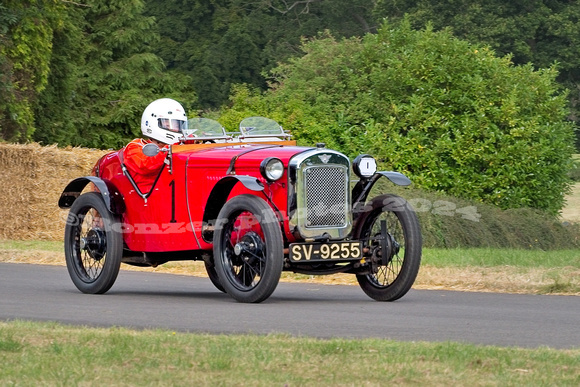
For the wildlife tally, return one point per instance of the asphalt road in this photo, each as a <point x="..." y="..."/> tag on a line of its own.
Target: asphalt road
<point x="184" y="303"/>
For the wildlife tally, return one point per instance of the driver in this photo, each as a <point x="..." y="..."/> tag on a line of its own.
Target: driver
<point x="162" y="123"/>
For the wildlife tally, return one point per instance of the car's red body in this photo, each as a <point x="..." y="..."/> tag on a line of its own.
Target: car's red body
<point x="218" y="191"/>
<point x="172" y="217"/>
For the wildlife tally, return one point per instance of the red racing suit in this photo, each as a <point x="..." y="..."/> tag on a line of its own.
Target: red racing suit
<point x="143" y="169"/>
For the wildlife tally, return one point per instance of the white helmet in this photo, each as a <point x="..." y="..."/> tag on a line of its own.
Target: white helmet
<point x="164" y="120"/>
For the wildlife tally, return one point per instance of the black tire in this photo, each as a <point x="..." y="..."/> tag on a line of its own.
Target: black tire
<point x="390" y="281"/>
<point x="93" y="244"/>
<point x="248" y="249"/>
<point x="213" y="277"/>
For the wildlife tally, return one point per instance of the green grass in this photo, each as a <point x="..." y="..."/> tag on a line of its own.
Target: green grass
<point x="56" y="355"/>
<point x="488" y="257"/>
<point x="31" y="245"/>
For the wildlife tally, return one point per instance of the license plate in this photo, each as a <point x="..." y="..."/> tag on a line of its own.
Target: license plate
<point x="332" y="251"/>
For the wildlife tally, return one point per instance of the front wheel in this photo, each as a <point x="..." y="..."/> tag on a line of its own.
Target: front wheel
<point x="248" y="249"/>
<point x="93" y="244"/>
<point x="213" y="277"/>
<point x="392" y="236"/>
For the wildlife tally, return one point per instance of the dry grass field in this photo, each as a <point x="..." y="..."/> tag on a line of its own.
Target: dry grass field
<point x="571" y="212"/>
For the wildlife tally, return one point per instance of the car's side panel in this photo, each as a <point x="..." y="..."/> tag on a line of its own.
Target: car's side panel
<point x="175" y="216"/>
<point x="159" y="223"/>
<point x="209" y="187"/>
<point x="204" y="192"/>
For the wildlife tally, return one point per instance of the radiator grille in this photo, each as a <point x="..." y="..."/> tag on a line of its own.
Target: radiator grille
<point x="326" y="196"/>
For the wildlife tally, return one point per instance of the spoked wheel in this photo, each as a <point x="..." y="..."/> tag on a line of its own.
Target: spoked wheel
<point x="93" y="248"/>
<point x="391" y="233"/>
<point x="248" y="249"/>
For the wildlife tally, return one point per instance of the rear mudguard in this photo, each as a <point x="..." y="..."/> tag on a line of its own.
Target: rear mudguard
<point x="110" y="194"/>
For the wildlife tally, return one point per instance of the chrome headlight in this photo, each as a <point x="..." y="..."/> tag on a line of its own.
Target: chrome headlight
<point x="272" y="169"/>
<point x="364" y="166"/>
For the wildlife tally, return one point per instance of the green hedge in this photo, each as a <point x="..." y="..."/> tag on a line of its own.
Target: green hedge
<point x="452" y="115"/>
<point x="449" y="222"/>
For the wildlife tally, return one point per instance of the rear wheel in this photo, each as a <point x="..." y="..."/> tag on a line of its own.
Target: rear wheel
<point x="248" y="249"/>
<point x="93" y="245"/>
<point x="391" y="233"/>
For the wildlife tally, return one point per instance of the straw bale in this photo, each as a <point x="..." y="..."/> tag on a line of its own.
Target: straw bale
<point x="32" y="178"/>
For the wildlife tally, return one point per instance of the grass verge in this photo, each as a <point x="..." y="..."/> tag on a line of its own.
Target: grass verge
<point x="53" y="354"/>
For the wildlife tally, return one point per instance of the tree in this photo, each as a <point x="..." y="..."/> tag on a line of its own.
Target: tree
<point x="541" y="32"/>
<point x="219" y="43"/>
<point x="120" y="75"/>
<point x="26" y="29"/>
<point x="53" y="113"/>
<point x="80" y="73"/>
<point x="454" y="116"/>
<point x="117" y="76"/>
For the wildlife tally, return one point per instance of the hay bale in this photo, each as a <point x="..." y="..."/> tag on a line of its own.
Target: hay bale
<point x="31" y="181"/>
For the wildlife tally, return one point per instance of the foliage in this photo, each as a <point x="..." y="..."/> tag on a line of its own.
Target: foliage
<point x="219" y="43"/>
<point x="53" y="113"/>
<point x="454" y="116"/>
<point x="541" y="32"/>
<point x="59" y="58"/>
<point x="119" y="75"/>
<point x="26" y="30"/>
<point x="80" y="74"/>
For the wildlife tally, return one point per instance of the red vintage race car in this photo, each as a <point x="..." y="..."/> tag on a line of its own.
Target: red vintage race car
<point x="250" y="205"/>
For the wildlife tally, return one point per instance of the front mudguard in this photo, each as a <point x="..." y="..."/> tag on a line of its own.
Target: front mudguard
<point x="221" y="191"/>
<point x="361" y="190"/>
<point x="110" y="194"/>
